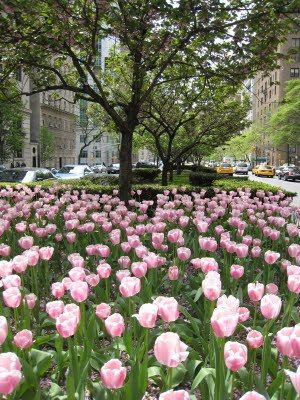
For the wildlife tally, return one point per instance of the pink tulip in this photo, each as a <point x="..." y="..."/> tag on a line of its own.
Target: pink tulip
<point x="57" y="289"/>
<point x="241" y="250"/>
<point x="12" y="297"/>
<point x="295" y="340"/>
<point x="244" y="314"/>
<point x="103" y="310"/>
<point x="174" y="395"/>
<point x="46" y="253"/>
<point x="211" y="286"/>
<point x="3" y="329"/>
<point x="71" y="237"/>
<point x="183" y="253"/>
<point x="235" y="355"/>
<point x="174" y="235"/>
<point x="270" y="306"/>
<point x="23" y="339"/>
<point x="294" y="250"/>
<point x="10" y="376"/>
<point x="139" y="269"/>
<point x="224" y="321"/>
<point x="284" y="342"/>
<point x="25" y="242"/>
<point x="295" y="378"/>
<point x="74" y="310"/>
<point x="30" y="300"/>
<point x="67" y="282"/>
<point x="208" y="264"/>
<point x="6" y="268"/>
<point x="32" y="257"/>
<point x="147" y="315"/>
<point x="20" y="263"/>
<point x="92" y="279"/>
<point x="293" y="283"/>
<point x="271" y="288"/>
<point x="5" y="250"/>
<point x="207" y="243"/>
<point x="173" y="273"/>
<point x="255" y="251"/>
<point x="103" y="250"/>
<point x="254" y="339"/>
<point x="113" y="374"/>
<point x="152" y="260"/>
<point x="169" y="350"/>
<point x="168" y="308"/>
<point x="252" y="396"/>
<point x="104" y="270"/>
<point x="255" y="291"/>
<point x="79" y="291"/>
<point x="11" y="281"/>
<point x="271" y="257"/>
<point x="229" y="303"/>
<point x="236" y="271"/>
<point x="55" y="308"/>
<point x="77" y="274"/>
<point x="114" y="325"/>
<point x="66" y="324"/>
<point x="123" y="273"/>
<point x="130" y="286"/>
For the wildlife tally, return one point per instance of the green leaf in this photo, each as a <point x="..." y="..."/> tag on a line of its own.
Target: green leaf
<point x="198" y="294"/>
<point x="41" y="361"/>
<point x="202" y="374"/>
<point x="178" y="375"/>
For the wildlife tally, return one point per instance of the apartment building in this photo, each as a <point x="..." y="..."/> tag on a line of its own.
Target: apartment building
<point x="268" y="92"/>
<point x="56" y="113"/>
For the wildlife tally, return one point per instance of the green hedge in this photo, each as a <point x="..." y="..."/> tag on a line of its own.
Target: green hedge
<point x="207" y="179"/>
<point x="149" y="192"/>
<point x="104" y="180"/>
<point x="140" y="175"/>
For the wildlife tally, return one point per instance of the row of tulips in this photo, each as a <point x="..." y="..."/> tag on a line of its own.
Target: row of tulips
<point x="193" y="297"/>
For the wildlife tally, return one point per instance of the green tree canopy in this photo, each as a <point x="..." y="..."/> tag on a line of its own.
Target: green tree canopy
<point x="284" y="124"/>
<point x="11" y="130"/>
<point x="56" y="43"/>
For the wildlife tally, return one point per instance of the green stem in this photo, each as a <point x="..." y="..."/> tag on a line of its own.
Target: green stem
<point x="220" y="369"/>
<point x="285" y="363"/>
<point x="73" y="368"/>
<point x="170" y="378"/>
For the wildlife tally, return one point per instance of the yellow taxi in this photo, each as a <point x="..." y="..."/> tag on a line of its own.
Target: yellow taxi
<point x="225" y="168"/>
<point x="265" y="170"/>
<point x="254" y="169"/>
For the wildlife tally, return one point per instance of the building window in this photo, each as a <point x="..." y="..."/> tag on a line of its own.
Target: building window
<point x="97" y="138"/>
<point x="296" y="57"/>
<point x="270" y="93"/>
<point x="275" y="89"/>
<point x="19" y="154"/>
<point x="294" y="72"/>
<point x="98" y="153"/>
<point x="84" y="154"/>
<point x="295" y="42"/>
<point x="19" y="74"/>
<point x="262" y="100"/>
<point x="82" y="137"/>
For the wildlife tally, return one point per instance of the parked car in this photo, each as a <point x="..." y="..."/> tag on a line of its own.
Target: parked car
<point x="143" y="164"/>
<point x="225" y="168"/>
<point x="74" y="171"/>
<point x="113" y="169"/>
<point x="241" y="168"/>
<point x="52" y="169"/>
<point x="289" y="173"/>
<point x="2" y="168"/>
<point x="278" y="170"/>
<point x="26" y="175"/>
<point x="99" y="169"/>
<point x="265" y="170"/>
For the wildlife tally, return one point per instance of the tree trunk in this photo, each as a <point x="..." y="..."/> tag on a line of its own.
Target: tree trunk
<point x="171" y="176"/>
<point x="179" y="167"/>
<point x="125" y="177"/>
<point x="164" y="174"/>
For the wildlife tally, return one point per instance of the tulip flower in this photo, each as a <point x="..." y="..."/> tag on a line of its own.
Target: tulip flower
<point x="113" y="374"/>
<point x="169" y="350"/>
<point x="174" y="395"/>
<point x="295" y="378"/>
<point x="10" y="375"/>
<point x="23" y="339"/>
<point x="147" y="315"/>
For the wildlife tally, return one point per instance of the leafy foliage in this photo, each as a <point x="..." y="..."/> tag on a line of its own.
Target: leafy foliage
<point x="47" y="145"/>
<point x="285" y="121"/>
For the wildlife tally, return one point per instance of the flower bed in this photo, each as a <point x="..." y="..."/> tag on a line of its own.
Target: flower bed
<point x="197" y="299"/>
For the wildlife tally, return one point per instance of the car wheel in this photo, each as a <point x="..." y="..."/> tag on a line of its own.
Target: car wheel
<point x="285" y="178"/>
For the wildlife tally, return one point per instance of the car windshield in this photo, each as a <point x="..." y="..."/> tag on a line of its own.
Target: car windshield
<point x="12" y="176"/>
<point x="225" y="165"/>
<point x="242" y="165"/>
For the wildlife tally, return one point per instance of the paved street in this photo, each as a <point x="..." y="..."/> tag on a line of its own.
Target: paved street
<point x="288" y="185"/>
